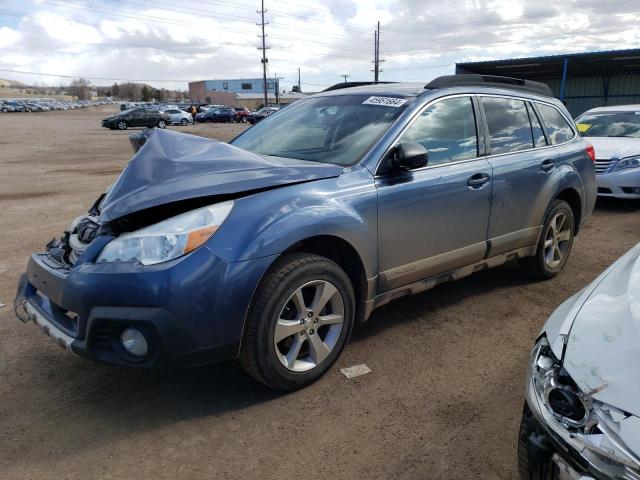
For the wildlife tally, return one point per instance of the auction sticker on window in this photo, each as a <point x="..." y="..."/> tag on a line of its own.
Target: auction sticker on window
<point x="385" y="101"/>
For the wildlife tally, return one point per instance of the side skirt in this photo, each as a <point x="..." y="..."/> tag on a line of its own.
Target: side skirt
<point x="429" y="283"/>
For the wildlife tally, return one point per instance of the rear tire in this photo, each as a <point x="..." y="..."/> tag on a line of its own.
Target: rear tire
<point x="299" y="322"/>
<point x="555" y="243"/>
<point x="162" y="124"/>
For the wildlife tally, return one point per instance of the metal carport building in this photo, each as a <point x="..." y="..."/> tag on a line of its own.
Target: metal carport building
<point x="581" y="80"/>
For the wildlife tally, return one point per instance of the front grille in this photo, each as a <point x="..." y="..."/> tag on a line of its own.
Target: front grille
<point x="602" y="166"/>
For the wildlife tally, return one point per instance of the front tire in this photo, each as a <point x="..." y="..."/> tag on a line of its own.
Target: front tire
<point x="534" y="450"/>
<point x="184" y="122"/>
<point x="123" y="125"/>
<point x="555" y="243"/>
<point x="300" y="320"/>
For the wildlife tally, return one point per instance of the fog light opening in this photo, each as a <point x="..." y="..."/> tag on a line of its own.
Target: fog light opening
<point x="134" y="342"/>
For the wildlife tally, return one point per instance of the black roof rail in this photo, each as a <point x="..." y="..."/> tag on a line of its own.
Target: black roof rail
<point x="477" y="80"/>
<point x="339" y="86"/>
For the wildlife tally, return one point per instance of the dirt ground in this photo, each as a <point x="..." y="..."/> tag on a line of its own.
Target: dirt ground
<point x="443" y="400"/>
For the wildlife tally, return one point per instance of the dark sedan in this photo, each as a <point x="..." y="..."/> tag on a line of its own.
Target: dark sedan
<point x="255" y="117"/>
<point x="223" y="115"/>
<point x="136" y="117"/>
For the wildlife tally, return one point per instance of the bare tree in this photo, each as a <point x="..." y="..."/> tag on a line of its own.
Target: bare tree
<point x="81" y="88"/>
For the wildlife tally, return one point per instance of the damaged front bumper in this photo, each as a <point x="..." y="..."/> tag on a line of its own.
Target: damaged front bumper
<point x="191" y="309"/>
<point x="590" y="448"/>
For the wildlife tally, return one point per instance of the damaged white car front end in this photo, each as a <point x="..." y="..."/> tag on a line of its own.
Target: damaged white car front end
<point x="582" y="418"/>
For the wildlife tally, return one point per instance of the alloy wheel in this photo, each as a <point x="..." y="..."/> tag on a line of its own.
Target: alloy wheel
<point x="309" y="326"/>
<point x="557" y="240"/>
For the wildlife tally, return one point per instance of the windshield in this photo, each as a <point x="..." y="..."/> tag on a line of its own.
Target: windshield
<point x="610" y="124"/>
<point x="336" y="129"/>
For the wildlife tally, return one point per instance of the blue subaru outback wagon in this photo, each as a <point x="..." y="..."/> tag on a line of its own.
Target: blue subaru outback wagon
<point x="270" y="248"/>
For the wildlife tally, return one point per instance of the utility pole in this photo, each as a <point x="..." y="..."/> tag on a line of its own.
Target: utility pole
<point x="345" y="76"/>
<point x="299" y="84"/>
<point x="264" y="49"/>
<point x="276" y="88"/>
<point x="376" y="54"/>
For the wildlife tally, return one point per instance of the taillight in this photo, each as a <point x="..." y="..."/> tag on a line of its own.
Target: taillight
<point x="591" y="153"/>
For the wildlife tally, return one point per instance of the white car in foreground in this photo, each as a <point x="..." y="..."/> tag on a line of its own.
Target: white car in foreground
<point x="582" y="414"/>
<point x="178" y="117"/>
<point x="614" y="132"/>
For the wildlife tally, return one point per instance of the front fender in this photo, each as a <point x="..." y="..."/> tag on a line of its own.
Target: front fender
<point x="270" y="222"/>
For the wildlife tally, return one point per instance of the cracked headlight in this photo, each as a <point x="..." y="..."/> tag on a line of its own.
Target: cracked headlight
<point x="555" y="389"/>
<point x="593" y="429"/>
<point x="168" y="239"/>
<point x="630" y="162"/>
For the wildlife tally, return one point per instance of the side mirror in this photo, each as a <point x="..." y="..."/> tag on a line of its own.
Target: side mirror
<point x="409" y="156"/>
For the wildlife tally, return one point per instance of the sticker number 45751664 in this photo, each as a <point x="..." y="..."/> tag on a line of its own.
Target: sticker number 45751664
<point x="385" y="101"/>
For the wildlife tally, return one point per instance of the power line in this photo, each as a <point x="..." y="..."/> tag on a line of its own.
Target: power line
<point x="137" y="16"/>
<point x="111" y="79"/>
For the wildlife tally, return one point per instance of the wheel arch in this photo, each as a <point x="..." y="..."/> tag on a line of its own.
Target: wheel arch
<point x="573" y="198"/>
<point x="343" y="253"/>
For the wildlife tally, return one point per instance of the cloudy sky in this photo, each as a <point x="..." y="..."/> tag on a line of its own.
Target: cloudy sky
<point x="167" y="42"/>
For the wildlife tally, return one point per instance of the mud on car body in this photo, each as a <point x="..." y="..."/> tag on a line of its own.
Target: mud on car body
<point x="582" y="415"/>
<point x="271" y="248"/>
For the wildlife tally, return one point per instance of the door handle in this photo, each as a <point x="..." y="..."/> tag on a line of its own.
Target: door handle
<point x="547" y="165"/>
<point x="477" y="180"/>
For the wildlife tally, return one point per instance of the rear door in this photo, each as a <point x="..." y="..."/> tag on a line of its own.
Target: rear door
<point x="137" y="118"/>
<point x="523" y="172"/>
<point x="434" y="219"/>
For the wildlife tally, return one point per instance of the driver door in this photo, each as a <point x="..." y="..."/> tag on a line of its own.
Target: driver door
<point x="434" y="219"/>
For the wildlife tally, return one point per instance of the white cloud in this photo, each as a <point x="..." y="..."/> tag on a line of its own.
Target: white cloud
<point x="158" y="40"/>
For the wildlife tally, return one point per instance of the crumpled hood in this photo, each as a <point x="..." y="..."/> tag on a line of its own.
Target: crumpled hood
<point x="173" y="166"/>
<point x="602" y="353"/>
<point x="614" y="147"/>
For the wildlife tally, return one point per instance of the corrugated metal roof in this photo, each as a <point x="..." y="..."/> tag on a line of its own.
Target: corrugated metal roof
<point x="611" y="62"/>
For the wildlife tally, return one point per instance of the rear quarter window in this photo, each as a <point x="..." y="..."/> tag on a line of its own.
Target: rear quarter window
<point x="558" y="129"/>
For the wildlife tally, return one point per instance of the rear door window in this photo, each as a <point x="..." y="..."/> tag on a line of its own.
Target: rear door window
<point x="558" y="129"/>
<point x="508" y="123"/>
<point x="447" y="129"/>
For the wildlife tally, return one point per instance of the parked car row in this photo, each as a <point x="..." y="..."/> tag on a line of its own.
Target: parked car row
<point x="29" y="105"/>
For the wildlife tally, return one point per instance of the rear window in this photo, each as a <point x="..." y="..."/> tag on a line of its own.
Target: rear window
<point x="508" y="123"/>
<point x="558" y="129"/>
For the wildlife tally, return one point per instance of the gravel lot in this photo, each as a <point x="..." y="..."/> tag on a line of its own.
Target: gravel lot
<point x="443" y="400"/>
